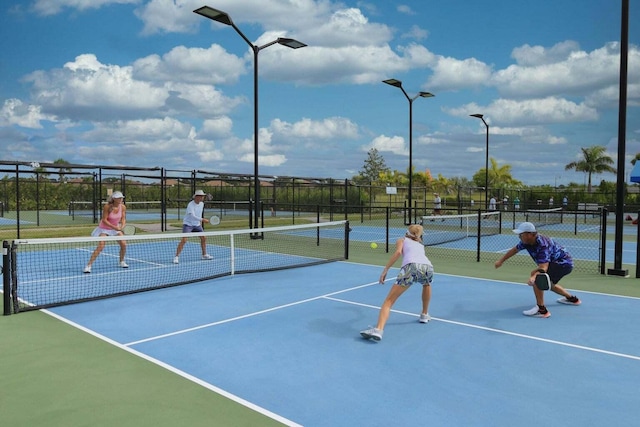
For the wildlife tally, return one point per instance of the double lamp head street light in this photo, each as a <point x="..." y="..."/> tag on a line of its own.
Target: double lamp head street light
<point x="398" y="84"/>
<point x="224" y="18"/>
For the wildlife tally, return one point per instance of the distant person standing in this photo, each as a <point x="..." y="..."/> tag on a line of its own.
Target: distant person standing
<point x="437" y="204"/>
<point x="492" y="203"/>
<point x="551" y="202"/>
<point x="505" y="202"/>
<point x="516" y="203"/>
<point x="565" y="202"/>
<point x="192" y="223"/>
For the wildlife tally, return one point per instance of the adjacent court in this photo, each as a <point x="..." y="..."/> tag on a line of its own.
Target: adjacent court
<point x="580" y="248"/>
<point x="287" y="343"/>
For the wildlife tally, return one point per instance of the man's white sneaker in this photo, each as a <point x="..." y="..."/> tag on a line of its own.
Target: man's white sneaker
<point x="124" y="264"/>
<point x="424" y="318"/>
<point x="207" y="256"/>
<point x="87" y="269"/>
<point x="176" y="260"/>
<point x="536" y="312"/>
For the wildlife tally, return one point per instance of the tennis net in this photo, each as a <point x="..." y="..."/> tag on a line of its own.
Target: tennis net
<point x="542" y="217"/>
<point x="49" y="272"/>
<point x="439" y="229"/>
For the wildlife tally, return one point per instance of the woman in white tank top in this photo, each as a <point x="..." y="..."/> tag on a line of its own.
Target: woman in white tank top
<point x="415" y="267"/>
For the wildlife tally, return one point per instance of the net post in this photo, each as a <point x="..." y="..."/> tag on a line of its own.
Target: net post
<point x="13" y="278"/>
<point x="347" y="229"/>
<point x="6" y="278"/>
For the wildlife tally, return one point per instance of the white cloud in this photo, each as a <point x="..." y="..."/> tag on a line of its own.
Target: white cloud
<point x="530" y="56"/>
<point x="16" y="112"/>
<point x="403" y="8"/>
<point x="168" y="16"/>
<point x="347" y="27"/>
<point x="453" y="74"/>
<point x="383" y="143"/>
<point x="48" y="7"/>
<point x="577" y="74"/>
<point x="86" y="89"/>
<point x="148" y="130"/>
<point x="417" y="33"/>
<point x="151" y="139"/>
<point x="271" y="160"/>
<point x="350" y="64"/>
<point x="218" y="127"/>
<point x="191" y="65"/>
<point x="530" y="111"/>
<point x="329" y="128"/>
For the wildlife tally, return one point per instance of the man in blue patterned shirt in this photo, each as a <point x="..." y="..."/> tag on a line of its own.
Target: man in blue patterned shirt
<point x="550" y="258"/>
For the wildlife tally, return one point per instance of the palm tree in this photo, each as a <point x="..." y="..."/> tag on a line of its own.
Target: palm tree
<point x="499" y="176"/>
<point x="595" y="160"/>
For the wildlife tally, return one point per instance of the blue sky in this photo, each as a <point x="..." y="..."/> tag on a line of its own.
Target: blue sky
<point x="150" y="83"/>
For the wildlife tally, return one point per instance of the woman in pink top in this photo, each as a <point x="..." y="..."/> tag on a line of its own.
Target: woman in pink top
<point x="114" y="218"/>
<point x="416" y="267"/>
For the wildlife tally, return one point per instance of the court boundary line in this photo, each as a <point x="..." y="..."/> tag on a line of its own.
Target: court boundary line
<point x="326" y="296"/>
<point x="179" y="372"/>
<point x="244" y="316"/>
<point x="500" y="331"/>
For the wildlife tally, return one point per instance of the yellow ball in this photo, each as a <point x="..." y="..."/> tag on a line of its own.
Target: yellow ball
<point x="374" y="245"/>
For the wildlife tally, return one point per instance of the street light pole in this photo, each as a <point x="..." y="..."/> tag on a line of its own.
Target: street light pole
<point x="486" y="161"/>
<point x="224" y="18"/>
<point x="398" y="84"/>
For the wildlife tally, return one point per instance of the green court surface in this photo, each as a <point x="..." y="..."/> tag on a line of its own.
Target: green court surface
<point x="57" y="375"/>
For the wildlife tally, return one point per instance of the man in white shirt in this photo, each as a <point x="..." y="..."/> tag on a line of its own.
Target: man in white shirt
<point x="437" y="204"/>
<point x="192" y="223"/>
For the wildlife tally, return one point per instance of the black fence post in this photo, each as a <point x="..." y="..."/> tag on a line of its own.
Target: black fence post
<point x="6" y="277"/>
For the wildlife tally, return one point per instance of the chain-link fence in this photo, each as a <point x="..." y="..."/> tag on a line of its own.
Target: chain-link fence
<point x="52" y="200"/>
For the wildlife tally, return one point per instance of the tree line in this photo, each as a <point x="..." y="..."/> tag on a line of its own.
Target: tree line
<point x="594" y="160"/>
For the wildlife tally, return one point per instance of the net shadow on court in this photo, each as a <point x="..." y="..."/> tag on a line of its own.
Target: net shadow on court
<point x="287" y="343"/>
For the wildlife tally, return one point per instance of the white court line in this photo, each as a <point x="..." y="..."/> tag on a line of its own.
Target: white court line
<point x="128" y="258"/>
<point x="183" y="374"/>
<point x="244" y="316"/>
<point x="329" y="296"/>
<point x="500" y="331"/>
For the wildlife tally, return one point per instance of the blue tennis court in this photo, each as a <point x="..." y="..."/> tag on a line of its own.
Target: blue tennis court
<point x="132" y="215"/>
<point x="287" y="343"/>
<point x="584" y="249"/>
<point x="9" y="221"/>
